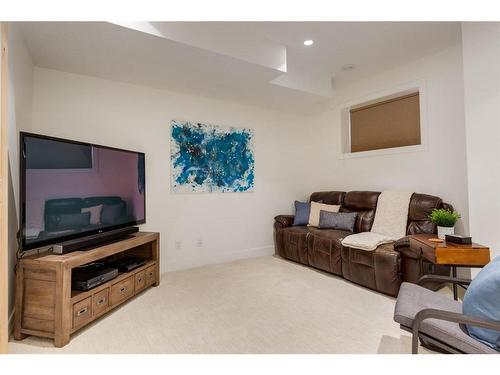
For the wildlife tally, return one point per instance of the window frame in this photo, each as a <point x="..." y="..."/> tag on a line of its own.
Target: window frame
<point x="345" y="123"/>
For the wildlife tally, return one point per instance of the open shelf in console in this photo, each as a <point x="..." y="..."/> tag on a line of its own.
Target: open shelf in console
<point x="77" y="295"/>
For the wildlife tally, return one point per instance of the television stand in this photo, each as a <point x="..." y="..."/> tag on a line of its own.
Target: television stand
<point x="47" y="307"/>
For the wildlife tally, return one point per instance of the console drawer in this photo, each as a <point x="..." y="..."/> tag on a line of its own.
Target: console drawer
<point x="122" y="290"/>
<point x="150" y="275"/>
<point x="140" y="280"/>
<point x="82" y="312"/>
<point x="100" y="302"/>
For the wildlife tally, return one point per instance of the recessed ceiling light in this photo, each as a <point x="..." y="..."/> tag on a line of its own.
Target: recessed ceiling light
<point x="348" y="67"/>
<point x="308" y="42"/>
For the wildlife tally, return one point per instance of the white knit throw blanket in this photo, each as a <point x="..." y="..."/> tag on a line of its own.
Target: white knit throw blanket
<point x="390" y="222"/>
<point x="391" y="216"/>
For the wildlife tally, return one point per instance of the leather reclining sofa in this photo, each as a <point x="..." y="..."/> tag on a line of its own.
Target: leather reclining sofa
<point x="383" y="269"/>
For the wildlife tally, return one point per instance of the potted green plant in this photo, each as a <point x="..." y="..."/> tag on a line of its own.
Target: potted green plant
<point x="445" y="220"/>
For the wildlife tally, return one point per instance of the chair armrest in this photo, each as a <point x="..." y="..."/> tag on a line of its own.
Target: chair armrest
<point x="283" y="221"/>
<point x="443" y="279"/>
<point x="450" y="317"/>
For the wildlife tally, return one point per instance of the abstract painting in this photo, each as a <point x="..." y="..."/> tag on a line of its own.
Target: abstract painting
<point x="211" y="158"/>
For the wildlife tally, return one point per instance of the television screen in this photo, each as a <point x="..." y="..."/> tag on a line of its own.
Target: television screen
<point x="72" y="189"/>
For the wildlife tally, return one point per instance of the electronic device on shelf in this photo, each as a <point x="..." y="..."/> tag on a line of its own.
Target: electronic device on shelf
<point x="457" y="238"/>
<point x="75" y="195"/>
<point x="127" y="264"/>
<point x="91" y="275"/>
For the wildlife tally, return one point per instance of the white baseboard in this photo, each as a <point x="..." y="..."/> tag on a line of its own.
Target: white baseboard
<point x="169" y="265"/>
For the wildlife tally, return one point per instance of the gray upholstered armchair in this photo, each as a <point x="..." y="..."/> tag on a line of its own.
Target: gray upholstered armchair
<point x="437" y="321"/>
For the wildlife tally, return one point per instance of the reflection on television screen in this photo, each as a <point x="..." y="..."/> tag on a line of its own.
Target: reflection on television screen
<point x="73" y="188"/>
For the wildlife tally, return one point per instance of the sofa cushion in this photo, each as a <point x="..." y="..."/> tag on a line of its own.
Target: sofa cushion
<point x="361" y="200"/>
<point x="328" y="197"/>
<point x="414" y="298"/>
<point x="331" y="234"/>
<point x="337" y="220"/>
<point x="315" y="211"/>
<point x="482" y="299"/>
<point x="302" y="211"/>
<point x="324" y="249"/>
<point x="421" y="206"/>
<point x="364" y="203"/>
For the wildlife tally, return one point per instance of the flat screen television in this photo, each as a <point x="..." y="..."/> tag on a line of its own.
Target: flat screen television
<point x="71" y="189"/>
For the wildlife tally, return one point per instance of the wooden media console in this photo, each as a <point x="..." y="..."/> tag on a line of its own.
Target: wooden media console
<point x="46" y="305"/>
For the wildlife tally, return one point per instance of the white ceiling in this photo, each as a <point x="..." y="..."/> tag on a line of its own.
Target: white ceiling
<point x="260" y="63"/>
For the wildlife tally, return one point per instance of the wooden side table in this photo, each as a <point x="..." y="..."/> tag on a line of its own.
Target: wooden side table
<point x="450" y="254"/>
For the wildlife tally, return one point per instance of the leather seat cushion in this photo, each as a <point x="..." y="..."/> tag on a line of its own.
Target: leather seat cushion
<point x="324" y="246"/>
<point x="367" y="257"/>
<point x="330" y="234"/>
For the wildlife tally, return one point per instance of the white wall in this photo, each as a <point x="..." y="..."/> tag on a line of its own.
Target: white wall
<point x="438" y="170"/>
<point x="481" y="59"/>
<point x="231" y="225"/>
<point x="294" y="155"/>
<point x="19" y="118"/>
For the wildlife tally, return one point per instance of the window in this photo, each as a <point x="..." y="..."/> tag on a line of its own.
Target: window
<point x="385" y="123"/>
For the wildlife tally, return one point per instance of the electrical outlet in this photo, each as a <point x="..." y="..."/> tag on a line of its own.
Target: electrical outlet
<point x="199" y="242"/>
<point x="178" y="244"/>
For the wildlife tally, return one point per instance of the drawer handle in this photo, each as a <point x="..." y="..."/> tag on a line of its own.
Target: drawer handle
<point x="140" y="279"/>
<point x="123" y="289"/>
<point x="82" y="311"/>
<point x="151" y="274"/>
<point x="101" y="301"/>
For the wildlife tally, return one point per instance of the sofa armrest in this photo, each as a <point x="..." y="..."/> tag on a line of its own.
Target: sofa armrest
<point x="402" y="242"/>
<point x="283" y="221"/>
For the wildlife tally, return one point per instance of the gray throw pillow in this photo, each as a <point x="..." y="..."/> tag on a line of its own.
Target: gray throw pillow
<point x="337" y="220"/>
<point x="302" y="211"/>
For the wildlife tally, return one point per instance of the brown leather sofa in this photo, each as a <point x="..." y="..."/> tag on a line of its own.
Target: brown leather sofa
<point x="382" y="269"/>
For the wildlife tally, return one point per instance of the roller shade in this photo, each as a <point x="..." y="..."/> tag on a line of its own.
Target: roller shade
<point x="386" y="124"/>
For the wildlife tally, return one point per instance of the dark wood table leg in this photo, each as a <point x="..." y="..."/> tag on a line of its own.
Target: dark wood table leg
<point x="455" y="287"/>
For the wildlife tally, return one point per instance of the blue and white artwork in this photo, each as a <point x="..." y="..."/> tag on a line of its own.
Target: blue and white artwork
<point x="211" y="158"/>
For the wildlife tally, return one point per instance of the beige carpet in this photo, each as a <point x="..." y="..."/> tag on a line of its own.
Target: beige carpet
<point x="261" y="305"/>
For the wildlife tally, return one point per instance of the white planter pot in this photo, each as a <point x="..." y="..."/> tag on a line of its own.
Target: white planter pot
<point x="442" y="231"/>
